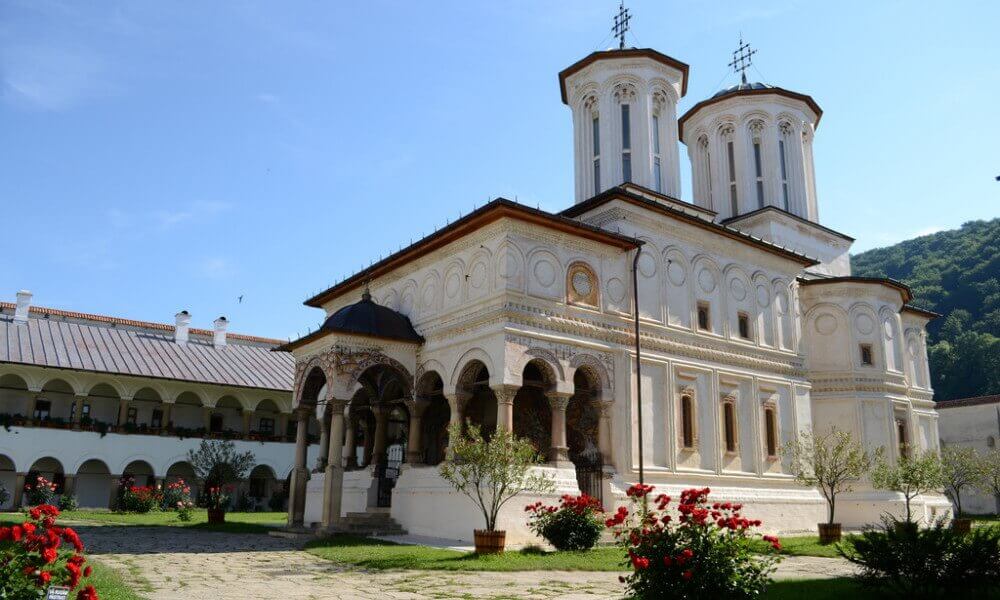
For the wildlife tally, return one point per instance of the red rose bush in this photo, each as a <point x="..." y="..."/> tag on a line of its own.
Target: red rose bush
<point x="575" y="524"/>
<point x="38" y="553"/>
<point x="693" y="549"/>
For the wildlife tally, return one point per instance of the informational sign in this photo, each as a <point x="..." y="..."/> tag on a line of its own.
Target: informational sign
<point x="57" y="592"/>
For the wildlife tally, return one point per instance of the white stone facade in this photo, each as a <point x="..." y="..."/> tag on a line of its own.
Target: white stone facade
<point x="752" y="330"/>
<point x="972" y="423"/>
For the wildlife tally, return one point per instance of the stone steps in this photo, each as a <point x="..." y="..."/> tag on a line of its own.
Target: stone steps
<point x="377" y="522"/>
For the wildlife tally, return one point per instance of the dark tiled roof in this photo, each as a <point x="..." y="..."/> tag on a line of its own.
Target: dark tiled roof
<point x="131" y="349"/>
<point x="366" y="317"/>
<point x="976" y="401"/>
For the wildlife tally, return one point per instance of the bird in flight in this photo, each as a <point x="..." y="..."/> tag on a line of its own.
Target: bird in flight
<point x="240" y="299"/>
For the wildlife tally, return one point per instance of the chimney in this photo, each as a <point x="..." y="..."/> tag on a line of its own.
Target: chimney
<point x="23" y="305"/>
<point x="181" y="330"/>
<point x="219" y="339"/>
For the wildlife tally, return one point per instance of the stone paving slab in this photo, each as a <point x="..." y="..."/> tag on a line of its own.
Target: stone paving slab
<point x="167" y="563"/>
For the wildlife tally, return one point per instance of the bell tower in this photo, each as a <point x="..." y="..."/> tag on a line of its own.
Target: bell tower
<point x="624" y="105"/>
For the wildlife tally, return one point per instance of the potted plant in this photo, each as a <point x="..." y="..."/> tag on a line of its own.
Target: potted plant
<point x="910" y="476"/>
<point x="962" y="467"/>
<point x="831" y="462"/>
<point x="221" y="467"/>
<point x="491" y="472"/>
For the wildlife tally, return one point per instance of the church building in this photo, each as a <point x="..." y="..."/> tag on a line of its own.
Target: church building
<point x="752" y="329"/>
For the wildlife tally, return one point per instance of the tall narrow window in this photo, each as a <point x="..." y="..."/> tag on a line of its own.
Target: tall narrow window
<point x="657" y="174"/>
<point x="729" y="425"/>
<point x="704" y="316"/>
<point x="770" y="432"/>
<point x="156" y="419"/>
<point x="902" y="438"/>
<point x="626" y="144"/>
<point x="758" y="173"/>
<point x="866" y="355"/>
<point x="132" y="416"/>
<point x="743" y="321"/>
<point x="731" y="159"/>
<point x="596" y="134"/>
<point x="687" y="422"/>
<point x="784" y="174"/>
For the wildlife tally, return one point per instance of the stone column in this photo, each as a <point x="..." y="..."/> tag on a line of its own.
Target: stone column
<point x="559" y="450"/>
<point x="334" y="479"/>
<point x="167" y="410"/>
<point x="349" y="457"/>
<point x="247" y="417"/>
<point x="297" y="495"/>
<point x="414" y="449"/>
<point x="69" y="484"/>
<point x="283" y="426"/>
<point x="78" y="411"/>
<point x="206" y="413"/>
<point x="381" y="425"/>
<point x="505" y="406"/>
<point x="18" y="490"/>
<point x="122" y="412"/>
<point x="604" y="433"/>
<point x="324" y="443"/>
<point x="456" y="404"/>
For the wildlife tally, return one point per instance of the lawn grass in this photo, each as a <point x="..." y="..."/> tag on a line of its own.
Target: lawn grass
<point x="109" y="584"/>
<point x="806" y="545"/>
<point x="261" y="522"/>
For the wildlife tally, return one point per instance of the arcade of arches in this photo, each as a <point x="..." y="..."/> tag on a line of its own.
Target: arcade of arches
<point x="389" y="422"/>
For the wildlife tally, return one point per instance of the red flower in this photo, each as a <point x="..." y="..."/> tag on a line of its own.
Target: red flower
<point x="44" y="577"/>
<point x="687" y="575"/>
<point x="87" y="593"/>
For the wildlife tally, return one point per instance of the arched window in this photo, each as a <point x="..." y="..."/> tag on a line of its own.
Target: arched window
<point x="786" y="130"/>
<point x="729" y="427"/>
<point x="626" y="144"/>
<point x="706" y="159"/>
<point x="595" y="138"/>
<point x="686" y="420"/>
<point x="658" y="102"/>
<point x="727" y="139"/>
<point x="770" y="431"/>
<point x="756" y="130"/>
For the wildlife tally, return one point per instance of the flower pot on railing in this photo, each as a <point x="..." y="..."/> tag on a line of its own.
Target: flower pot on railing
<point x="489" y="542"/>
<point x="829" y="533"/>
<point x="961" y="525"/>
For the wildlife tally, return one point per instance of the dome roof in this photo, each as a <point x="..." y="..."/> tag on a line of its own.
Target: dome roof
<point x="755" y="85"/>
<point x="371" y="319"/>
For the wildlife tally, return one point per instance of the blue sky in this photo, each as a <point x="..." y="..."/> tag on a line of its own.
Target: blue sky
<point x="160" y="156"/>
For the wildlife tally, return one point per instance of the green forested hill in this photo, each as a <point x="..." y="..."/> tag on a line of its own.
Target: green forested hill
<point x="955" y="273"/>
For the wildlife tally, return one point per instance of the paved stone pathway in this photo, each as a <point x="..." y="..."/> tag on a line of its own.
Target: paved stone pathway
<point x="171" y="563"/>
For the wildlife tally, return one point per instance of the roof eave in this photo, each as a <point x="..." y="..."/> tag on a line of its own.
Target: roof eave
<point x="805" y="98"/>
<point x="593" y="57"/>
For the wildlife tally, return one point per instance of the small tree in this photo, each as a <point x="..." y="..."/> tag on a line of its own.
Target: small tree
<point x="961" y="468"/>
<point x="911" y="476"/>
<point x="219" y="464"/>
<point x="492" y="472"/>
<point x="989" y="475"/>
<point x="831" y="462"/>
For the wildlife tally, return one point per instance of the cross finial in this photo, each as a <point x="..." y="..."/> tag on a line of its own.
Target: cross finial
<point x="621" y="24"/>
<point x="742" y="59"/>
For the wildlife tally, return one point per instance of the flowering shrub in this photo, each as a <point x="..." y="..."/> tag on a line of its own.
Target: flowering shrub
<point x="702" y="550"/>
<point x="37" y="553"/>
<point x="575" y="524"/>
<point x="67" y="502"/>
<point x="139" y="499"/>
<point x="177" y="496"/>
<point x="217" y="497"/>
<point x="40" y="491"/>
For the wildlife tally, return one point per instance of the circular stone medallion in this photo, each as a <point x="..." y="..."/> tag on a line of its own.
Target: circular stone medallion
<point x="545" y="273"/>
<point x="706" y="279"/>
<point x="676" y="273"/>
<point x="826" y="324"/>
<point x="582" y="284"/>
<point x="738" y="289"/>
<point x="763" y="296"/>
<point x="864" y="323"/>
<point x="616" y="290"/>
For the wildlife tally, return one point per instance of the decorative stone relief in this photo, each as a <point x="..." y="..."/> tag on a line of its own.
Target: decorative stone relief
<point x="864" y="323"/>
<point x="707" y="281"/>
<point x="582" y="286"/>
<point x="676" y="273"/>
<point x="763" y="296"/>
<point x="826" y="324"/>
<point x="616" y="290"/>
<point x="562" y="353"/>
<point x="738" y="289"/>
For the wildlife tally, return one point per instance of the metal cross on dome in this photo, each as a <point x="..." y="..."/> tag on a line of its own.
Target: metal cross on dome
<point x="621" y="24"/>
<point x="742" y="59"/>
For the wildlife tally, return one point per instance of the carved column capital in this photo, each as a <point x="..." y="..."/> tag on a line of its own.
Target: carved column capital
<point x="505" y="393"/>
<point x="558" y="400"/>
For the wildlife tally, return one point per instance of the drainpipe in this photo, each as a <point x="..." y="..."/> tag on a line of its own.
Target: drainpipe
<point x="638" y="355"/>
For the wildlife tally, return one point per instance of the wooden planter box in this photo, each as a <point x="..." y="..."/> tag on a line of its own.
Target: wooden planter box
<point x="216" y="516"/>
<point x="829" y="533"/>
<point x="490" y="542"/>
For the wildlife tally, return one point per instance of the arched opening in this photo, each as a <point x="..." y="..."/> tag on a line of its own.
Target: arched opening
<point x="226" y="419"/>
<point x="481" y="405"/>
<point x="8" y="479"/>
<point x="186" y="415"/>
<point x="183" y="471"/>
<point x="50" y="470"/>
<point x="384" y="391"/>
<point x="436" y="418"/>
<point x="94" y="484"/>
<point x="54" y="406"/>
<point x="313" y="392"/>
<point x="361" y="436"/>
<point x="532" y="413"/>
<point x="15" y="399"/>
<point x="139" y="472"/>
<point x="266" y="420"/>
<point x="583" y="420"/>
<point x="100" y="408"/>
<point x="145" y="411"/>
<point x="262" y="484"/>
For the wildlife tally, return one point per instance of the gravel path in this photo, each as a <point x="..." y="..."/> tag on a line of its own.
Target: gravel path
<point x="172" y="563"/>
